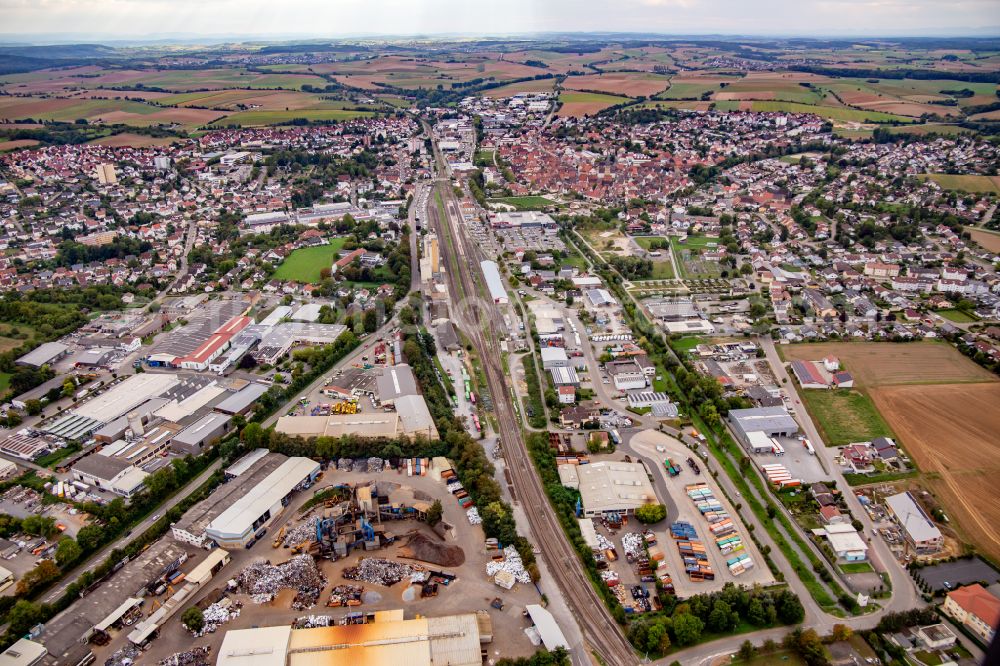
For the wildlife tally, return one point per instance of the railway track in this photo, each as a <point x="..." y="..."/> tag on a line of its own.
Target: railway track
<point x="461" y="260"/>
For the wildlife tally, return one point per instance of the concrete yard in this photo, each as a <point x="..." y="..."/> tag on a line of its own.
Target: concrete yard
<point x="471" y="590"/>
<point x="680" y="507"/>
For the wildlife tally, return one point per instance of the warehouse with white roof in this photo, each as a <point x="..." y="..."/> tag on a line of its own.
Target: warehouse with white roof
<point x="494" y="282"/>
<point x="237" y="526"/>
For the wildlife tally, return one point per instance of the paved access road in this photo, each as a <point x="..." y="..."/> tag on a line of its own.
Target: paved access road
<point x="122" y="541"/>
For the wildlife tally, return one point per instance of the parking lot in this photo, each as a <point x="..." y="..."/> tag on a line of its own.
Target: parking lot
<point x="534" y="239"/>
<point x="797" y="460"/>
<point x="949" y="575"/>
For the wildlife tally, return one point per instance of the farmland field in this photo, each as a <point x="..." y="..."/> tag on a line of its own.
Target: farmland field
<point x="17" y="143"/>
<point x="831" y="112"/>
<point x="943" y="409"/>
<point x="133" y="140"/>
<point x="577" y="104"/>
<point x="886" y="363"/>
<point x="988" y="239"/>
<point x="254" y="118"/>
<point x="966" y="183"/>
<point x="630" y="84"/>
<point x="951" y="433"/>
<point x="534" y="86"/>
<point x="305" y="264"/>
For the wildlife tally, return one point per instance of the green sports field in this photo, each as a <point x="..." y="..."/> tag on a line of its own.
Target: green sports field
<point x="305" y="264"/>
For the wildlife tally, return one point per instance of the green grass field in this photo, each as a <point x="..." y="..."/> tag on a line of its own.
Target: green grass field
<point x="776" y="659"/>
<point x="525" y="203"/>
<point x="844" y="416"/>
<point x="965" y="183"/>
<point x="687" y="91"/>
<point x="687" y="343"/>
<point x="305" y="264"/>
<point x="4" y="381"/>
<point x="645" y="242"/>
<point x="255" y="118"/>
<point x="855" y="567"/>
<point x="957" y="316"/>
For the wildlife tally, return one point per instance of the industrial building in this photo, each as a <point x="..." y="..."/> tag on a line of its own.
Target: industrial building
<point x="242" y="401"/>
<point x="240" y="522"/>
<point x="125" y="396"/>
<point x="626" y="375"/>
<point x="23" y="653"/>
<point x="215" y="345"/>
<point x="387" y="638"/>
<point x="243" y="476"/>
<point x="921" y="534"/>
<point x="609" y="487"/>
<point x="44" y="354"/>
<point x="110" y="473"/>
<point x="200" y="434"/>
<point x="395" y="382"/>
<point x="411" y="419"/>
<point x="771" y="421"/>
<point x="554" y="357"/>
<point x="494" y="282"/>
<point x="845" y="541"/>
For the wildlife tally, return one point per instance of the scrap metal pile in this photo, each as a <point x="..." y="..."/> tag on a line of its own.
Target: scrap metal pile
<point x="125" y="656"/>
<point x="193" y="657"/>
<point x="604" y="543"/>
<point x="313" y="621"/>
<point x="306" y="531"/>
<point x="263" y="580"/>
<point x="511" y="563"/>
<point x="633" y="545"/>
<point x="366" y="465"/>
<point x="345" y="595"/>
<point x="378" y="571"/>
<point x="217" y="615"/>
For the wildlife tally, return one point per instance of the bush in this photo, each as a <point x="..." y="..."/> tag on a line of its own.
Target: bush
<point x="651" y="513"/>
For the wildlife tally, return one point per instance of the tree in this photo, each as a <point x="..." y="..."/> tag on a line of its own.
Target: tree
<point x="371" y="321"/>
<point x="68" y="388"/>
<point x="434" y="513"/>
<point x="193" y="619"/>
<point x="651" y="513"/>
<point x="722" y="618"/>
<point x="809" y="646"/>
<point x="657" y="639"/>
<point x="33" y="407"/>
<point x="687" y="629"/>
<point x="67" y="552"/>
<point x="841" y="632"/>
<point x="747" y="651"/>
<point x="44" y="572"/>
<point x="90" y="537"/>
<point x="23" y="616"/>
<point x="790" y="610"/>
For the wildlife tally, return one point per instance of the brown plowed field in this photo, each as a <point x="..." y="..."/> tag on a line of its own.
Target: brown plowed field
<point x="629" y="84"/>
<point x="951" y="431"/>
<point x="888" y="363"/>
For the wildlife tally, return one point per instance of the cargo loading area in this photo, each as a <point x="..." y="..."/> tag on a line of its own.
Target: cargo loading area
<point x="703" y="543"/>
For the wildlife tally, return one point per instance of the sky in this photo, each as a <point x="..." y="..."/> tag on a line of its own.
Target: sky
<point x="131" y="19"/>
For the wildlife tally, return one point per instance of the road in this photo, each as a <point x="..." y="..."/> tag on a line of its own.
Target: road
<point x="474" y="314"/>
<point x="122" y="541"/>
